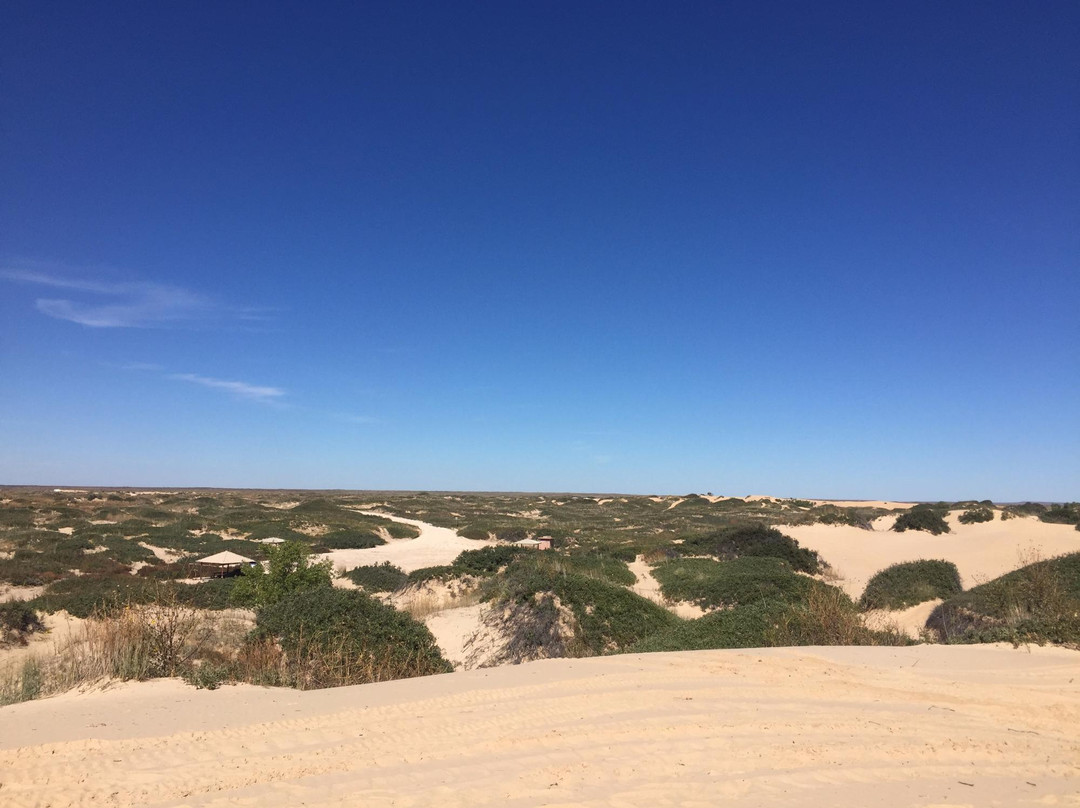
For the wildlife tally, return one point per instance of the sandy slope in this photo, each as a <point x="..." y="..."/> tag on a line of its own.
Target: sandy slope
<point x="981" y="551"/>
<point x="434" y="546"/>
<point x="920" y="726"/>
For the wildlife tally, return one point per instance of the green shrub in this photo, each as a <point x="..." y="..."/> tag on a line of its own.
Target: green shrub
<point x="383" y="577"/>
<point x="607" y="618"/>
<point x="17" y="621"/>
<point x="336" y="637"/>
<point x="1066" y="514"/>
<point x="975" y="515"/>
<point x="922" y="517"/>
<point x="486" y="560"/>
<point x="443" y="572"/>
<point x="1039" y="603"/>
<point x="289" y="570"/>
<point x="348" y="540"/>
<point x="742" y="627"/>
<point x="740" y="582"/>
<point x="910" y="583"/>
<point x="753" y="540"/>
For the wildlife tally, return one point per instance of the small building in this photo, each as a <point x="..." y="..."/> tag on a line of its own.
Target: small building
<point x="542" y="543"/>
<point x="226" y="563"/>
<point x="271" y="540"/>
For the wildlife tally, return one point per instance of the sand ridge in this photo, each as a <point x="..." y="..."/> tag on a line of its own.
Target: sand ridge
<point x="925" y="725"/>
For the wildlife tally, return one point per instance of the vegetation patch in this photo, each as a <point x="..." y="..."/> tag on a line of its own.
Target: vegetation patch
<point x="753" y="540"/>
<point x="923" y="517"/>
<point x="17" y="622"/>
<point x="336" y="637"/>
<point x="383" y="577"/>
<point x="1037" y="603"/>
<point x="911" y="583"/>
<point x="976" y="515"/>
<point x="739" y="582"/>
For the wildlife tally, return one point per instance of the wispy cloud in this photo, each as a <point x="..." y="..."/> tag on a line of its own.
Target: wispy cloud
<point x="242" y="389"/>
<point x="127" y="304"/>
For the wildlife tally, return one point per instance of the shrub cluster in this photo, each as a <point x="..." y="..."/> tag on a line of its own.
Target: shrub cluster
<point x="909" y="583"/>
<point x="383" y="577"/>
<point x="17" y="621"/>
<point x="753" y="540"/>
<point x="975" y="515"/>
<point x="740" y="582"/>
<point x="923" y="517"/>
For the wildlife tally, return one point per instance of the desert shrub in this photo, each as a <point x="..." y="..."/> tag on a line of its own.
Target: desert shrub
<point x="1066" y="514"/>
<point x="16" y="517"/>
<point x="383" y="577"/>
<point x="834" y="515"/>
<point x="17" y="621"/>
<point x="742" y="627"/>
<point x="739" y="582"/>
<point x="398" y="530"/>
<point x="827" y="617"/>
<point x="910" y="583"/>
<point x="606" y="617"/>
<point x="922" y="517"/>
<point x="442" y="572"/>
<point x="753" y="540"/>
<point x="348" y="539"/>
<point x="1039" y="603"/>
<point x="289" y="569"/>
<point x="475" y="533"/>
<point x="1027" y="509"/>
<point x="975" y="515"/>
<point x="486" y="560"/>
<point x="335" y="637"/>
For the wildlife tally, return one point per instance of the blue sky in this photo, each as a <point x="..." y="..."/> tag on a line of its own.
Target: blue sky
<point x="787" y="248"/>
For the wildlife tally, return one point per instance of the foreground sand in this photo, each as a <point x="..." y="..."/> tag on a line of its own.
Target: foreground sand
<point x="920" y="726"/>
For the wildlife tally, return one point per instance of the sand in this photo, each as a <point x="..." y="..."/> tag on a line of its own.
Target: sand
<point x="920" y="726"/>
<point x="433" y="547"/>
<point x="981" y="552"/>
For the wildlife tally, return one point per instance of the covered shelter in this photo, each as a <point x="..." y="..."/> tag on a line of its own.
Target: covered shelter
<point x="226" y="563"/>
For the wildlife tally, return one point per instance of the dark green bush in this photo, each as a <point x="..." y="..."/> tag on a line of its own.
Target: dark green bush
<point x="975" y="515"/>
<point x="383" y="577"/>
<point x="348" y="540"/>
<point x="486" y="560"/>
<point x="443" y="572"/>
<point x="922" y="517"/>
<point x="752" y="540"/>
<point x="289" y="569"/>
<point x="1036" y="603"/>
<point x="743" y="627"/>
<point x="335" y="636"/>
<point x="910" y="583"/>
<point x="742" y="581"/>
<point x="17" y="621"/>
<point x="1066" y="514"/>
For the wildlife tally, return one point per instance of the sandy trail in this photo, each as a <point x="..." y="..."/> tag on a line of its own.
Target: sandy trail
<point x="981" y="551"/>
<point x="434" y="546"/>
<point x="926" y="725"/>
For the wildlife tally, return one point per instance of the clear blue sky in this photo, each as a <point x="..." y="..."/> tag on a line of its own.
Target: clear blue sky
<point x="802" y="249"/>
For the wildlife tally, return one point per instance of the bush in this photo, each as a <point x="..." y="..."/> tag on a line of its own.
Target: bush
<point x="289" y="570"/>
<point x="607" y="618"/>
<point x="383" y="577"/>
<point x="922" y="517"/>
<point x="753" y="540"/>
<point x="443" y="572"/>
<point x="740" y="582"/>
<point x="742" y="627"/>
<point x="1067" y="514"/>
<point x="486" y="560"/>
<point x="976" y="515"/>
<point x="17" y="622"/>
<point x="337" y="637"/>
<point x="910" y="583"/>
<point x="348" y="540"/>
<point x="1039" y="603"/>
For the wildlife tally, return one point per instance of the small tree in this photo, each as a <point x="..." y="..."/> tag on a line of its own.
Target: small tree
<point x="289" y="570"/>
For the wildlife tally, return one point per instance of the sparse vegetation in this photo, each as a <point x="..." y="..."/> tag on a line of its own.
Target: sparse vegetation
<point x="911" y="583"/>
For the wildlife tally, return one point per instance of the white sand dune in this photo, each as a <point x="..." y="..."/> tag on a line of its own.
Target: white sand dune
<point x="434" y="546"/>
<point x="981" y="551"/>
<point x="919" y="726"/>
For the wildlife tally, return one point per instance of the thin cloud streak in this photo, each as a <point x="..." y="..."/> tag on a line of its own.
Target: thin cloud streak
<point x="130" y="304"/>
<point x="241" y="389"/>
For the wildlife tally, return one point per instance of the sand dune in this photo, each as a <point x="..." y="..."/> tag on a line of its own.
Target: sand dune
<point x="980" y="551"/>
<point x="920" y="726"/>
<point x="434" y="546"/>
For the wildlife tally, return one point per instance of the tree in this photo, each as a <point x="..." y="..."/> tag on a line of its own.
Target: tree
<point x="289" y="570"/>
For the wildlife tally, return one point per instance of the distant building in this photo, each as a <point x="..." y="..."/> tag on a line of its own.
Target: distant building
<point x="542" y="543"/>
